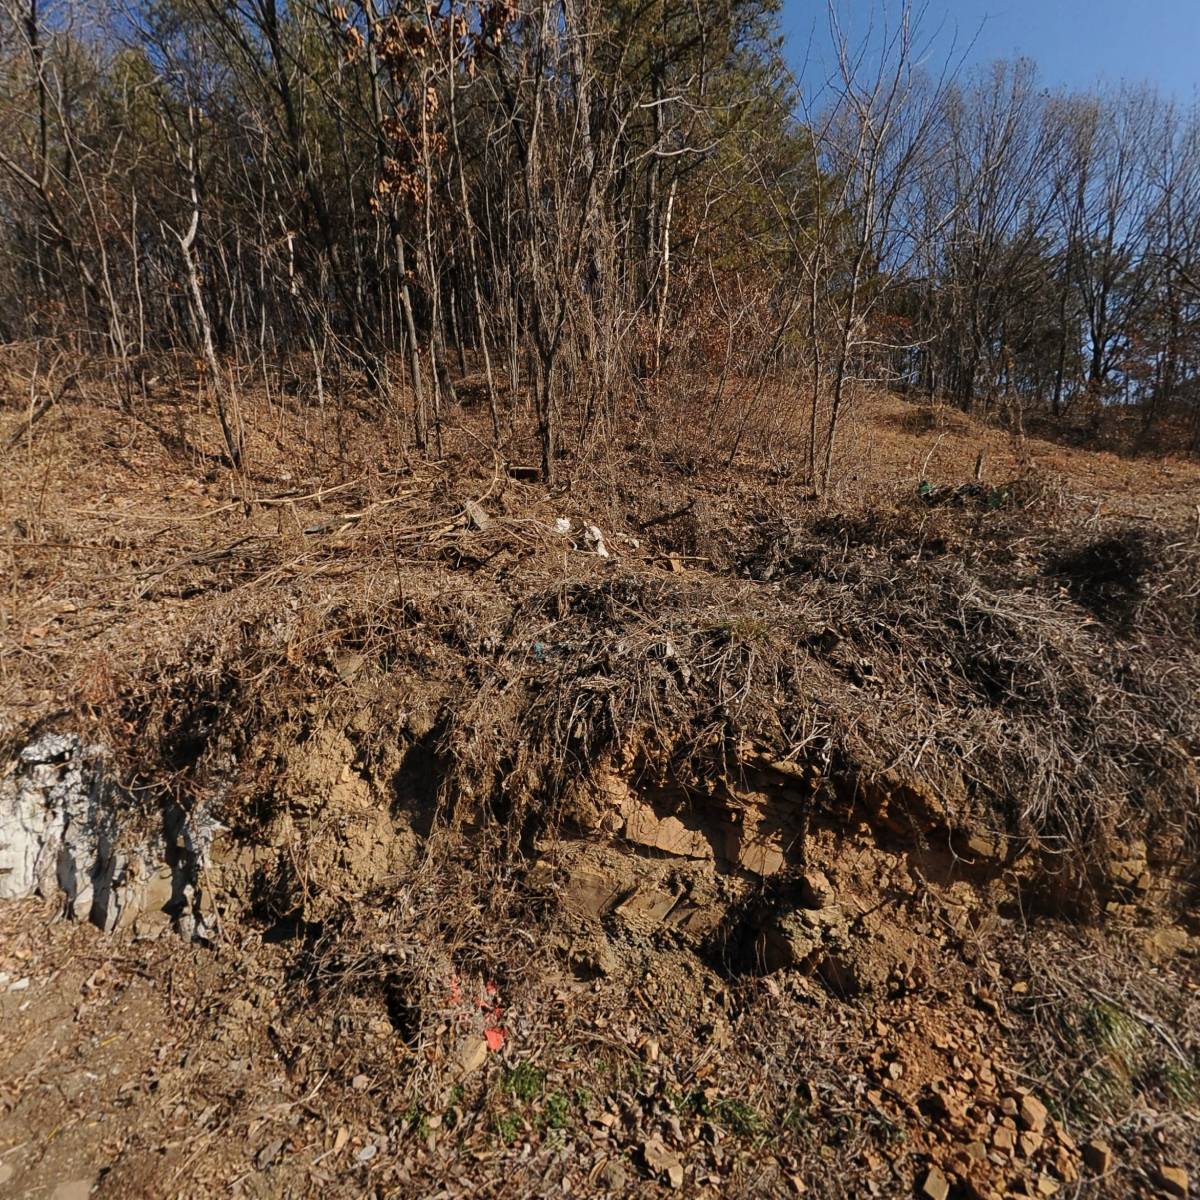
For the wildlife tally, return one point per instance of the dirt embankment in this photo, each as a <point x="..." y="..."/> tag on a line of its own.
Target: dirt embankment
<point x="787" y="848"/>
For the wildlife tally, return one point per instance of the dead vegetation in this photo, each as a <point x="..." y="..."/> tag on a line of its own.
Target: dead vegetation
<point x="517" y="887"/>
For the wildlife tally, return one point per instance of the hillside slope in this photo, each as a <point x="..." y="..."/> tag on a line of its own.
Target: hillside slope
<point x="789" y="846"/>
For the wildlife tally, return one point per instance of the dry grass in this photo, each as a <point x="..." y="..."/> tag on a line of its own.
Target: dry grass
<point x="1032" y="658"/>
<point x="1030" y="651"/>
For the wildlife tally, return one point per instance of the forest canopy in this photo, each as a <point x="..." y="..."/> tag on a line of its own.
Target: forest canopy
<point x="571" y="205"/>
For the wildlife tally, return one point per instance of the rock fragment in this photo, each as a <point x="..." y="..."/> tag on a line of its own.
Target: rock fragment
<point x="1098" y="1157"/>
<point x="1172" y="1181"/>
<point x="935" y="1186"/>
<point x="660" y="1161"/>
<point x="1032" y="1114"/>
<point x="614" y="1177"/>
<point x="1028" y="1144"/>
<point x="1005" y="1139"/>
<point x="815" y="889"/>
<point x="471" y="1055"/>
<point x="74" y="1189"/>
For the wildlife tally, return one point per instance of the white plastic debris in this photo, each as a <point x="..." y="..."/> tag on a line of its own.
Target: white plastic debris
<point x="593" y="539"/>
<point x="586" y="538"/>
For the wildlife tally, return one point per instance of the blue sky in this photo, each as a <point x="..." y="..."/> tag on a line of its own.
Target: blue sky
<point x="1075" y="42"/>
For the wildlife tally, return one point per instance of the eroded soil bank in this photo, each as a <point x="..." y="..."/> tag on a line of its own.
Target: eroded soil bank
<point x="755" y="977"/>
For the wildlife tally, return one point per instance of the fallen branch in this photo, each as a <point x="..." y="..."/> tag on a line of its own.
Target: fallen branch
<point x="43" y="406"/>
<point x="664" y="518"/>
